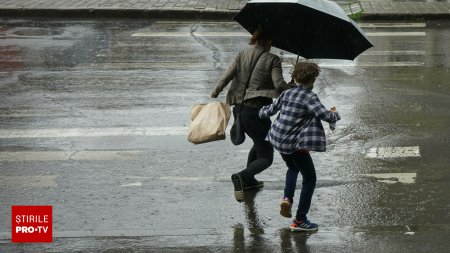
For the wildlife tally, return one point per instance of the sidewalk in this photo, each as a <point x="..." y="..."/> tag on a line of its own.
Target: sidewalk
<point x="371" y="9"/>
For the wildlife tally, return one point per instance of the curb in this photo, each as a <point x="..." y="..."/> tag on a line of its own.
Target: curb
<point x="122" y="13"/>
<point x="184" y="14"/>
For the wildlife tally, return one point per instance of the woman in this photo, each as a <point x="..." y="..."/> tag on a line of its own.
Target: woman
<point x="266" y="82"/>
<point x="296" y="131"/>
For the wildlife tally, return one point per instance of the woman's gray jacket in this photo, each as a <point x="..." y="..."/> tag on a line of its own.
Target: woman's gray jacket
<point x="266" y="81"/>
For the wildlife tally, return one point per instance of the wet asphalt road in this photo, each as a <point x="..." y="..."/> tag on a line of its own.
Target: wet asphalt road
<point x="94" y="116"/>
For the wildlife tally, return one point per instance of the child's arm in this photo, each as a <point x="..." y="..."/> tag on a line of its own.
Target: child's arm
<point x="316" y="107"/>
<point x="271" y="109"/>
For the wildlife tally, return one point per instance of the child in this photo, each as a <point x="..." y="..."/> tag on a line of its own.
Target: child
<point x="296" y="131"/>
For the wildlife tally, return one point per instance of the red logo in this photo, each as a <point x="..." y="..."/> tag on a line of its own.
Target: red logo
<point x="32" y="224"/>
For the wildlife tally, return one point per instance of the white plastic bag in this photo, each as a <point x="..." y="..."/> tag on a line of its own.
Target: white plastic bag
<point x="208" y="122"/>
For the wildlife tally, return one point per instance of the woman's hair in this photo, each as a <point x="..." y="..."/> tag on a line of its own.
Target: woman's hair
<point x="260" y="38"/>
<point x="305" y="73"/>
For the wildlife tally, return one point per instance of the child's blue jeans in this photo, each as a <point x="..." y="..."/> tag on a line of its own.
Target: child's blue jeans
<point x="300" y="162"/>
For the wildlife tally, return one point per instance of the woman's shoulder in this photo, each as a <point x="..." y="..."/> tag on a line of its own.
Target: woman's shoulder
<point x="272" y="56"/>
<point x="271" y="59"/>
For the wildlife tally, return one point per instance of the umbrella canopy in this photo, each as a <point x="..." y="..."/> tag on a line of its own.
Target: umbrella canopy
<point x="310" y="28"/>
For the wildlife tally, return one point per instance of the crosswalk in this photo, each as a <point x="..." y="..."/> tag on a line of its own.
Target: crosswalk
<point x="396" y="45"/>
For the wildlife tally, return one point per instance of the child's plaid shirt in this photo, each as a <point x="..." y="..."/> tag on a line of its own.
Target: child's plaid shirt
<point x="298" y="125"/>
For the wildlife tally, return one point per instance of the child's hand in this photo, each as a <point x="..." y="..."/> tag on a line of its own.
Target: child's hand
<point x="333" y="109"/>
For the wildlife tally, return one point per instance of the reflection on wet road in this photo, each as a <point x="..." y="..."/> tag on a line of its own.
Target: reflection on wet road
<point x="94" y="118"/>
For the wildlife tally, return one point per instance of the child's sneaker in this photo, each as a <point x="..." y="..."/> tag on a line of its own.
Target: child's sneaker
<point x="285" y="207"/>
<point x="305" y="225"/>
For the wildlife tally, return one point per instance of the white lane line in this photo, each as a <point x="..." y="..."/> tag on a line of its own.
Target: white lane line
<point x="190" y="179"/>
<point x="390" y="64"/>
<point x="69" y="155"/>
<point x="196" y="179"/>
<point x="245" y="34"/>
<point x="188" y="34"/>
<point x="27" y="181"/>
<point x="135" y="184"/>
<point x="200" y="22"/>
<point x="197" y="66"/>
<point x="371" y="53"/>
<point x="222" y="34"/>
<point x="392" y="178"/>
<point x="393" y="152"/>
<point x="362" y="25"/>
<point x="161" y="34"/>
<point x="145" y="65"/>
<point x="394" y="52"/>
<point x="91" y="132"/>
<point x="363" y="64"/>
<point x="392" y="25"/>
<point x="396" y="34"/>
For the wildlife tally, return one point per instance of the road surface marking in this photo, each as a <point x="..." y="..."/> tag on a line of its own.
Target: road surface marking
<point x="135" y="184"/>
<point x="191" y="179"/>
<point x="364" y="64"/>
<point x="396" y="34"/>
<point x="246" y="34"/>
<point x="204" y="179"/>
<point x="394" y="52"/>
<point x="27" y="181"/>
<point x="146" y="65"/>
<point x="392" y="25"/>
<point x="393" y="152"/>
<point x="291" y="56"/>
<point x="161" y="34"/>
<point x="188" y="34"/>
<point x="91" y="132"/>
<point x="202" y="66"/>
<point x="392" y="178"/>
<point x="69" y="155"/>
<point x="362" y="25"/>
<point x="200" y="22"/>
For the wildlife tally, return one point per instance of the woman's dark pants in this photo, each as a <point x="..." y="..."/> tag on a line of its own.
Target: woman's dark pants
<point x="300" y="162"/>
<point x="260" y="156"/>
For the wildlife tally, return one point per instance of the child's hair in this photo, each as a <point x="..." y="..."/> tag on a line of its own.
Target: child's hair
<point x="305" y="73"/>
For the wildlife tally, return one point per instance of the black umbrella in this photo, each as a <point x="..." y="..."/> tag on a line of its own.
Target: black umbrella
<point x="309" y="28"/>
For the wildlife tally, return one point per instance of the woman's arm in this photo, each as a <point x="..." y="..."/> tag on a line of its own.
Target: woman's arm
<point x="226" y="77"/>
<point x="277" y="75"/>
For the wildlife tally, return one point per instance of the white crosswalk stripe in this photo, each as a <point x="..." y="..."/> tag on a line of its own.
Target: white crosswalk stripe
<point x="393" y="152"/>
<point x="13" y="182"/>
<point x="244" y="34"/>
<point x="91" y="132"/>
<point x="95" y="155"/>
<point x="392" y="178"/>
